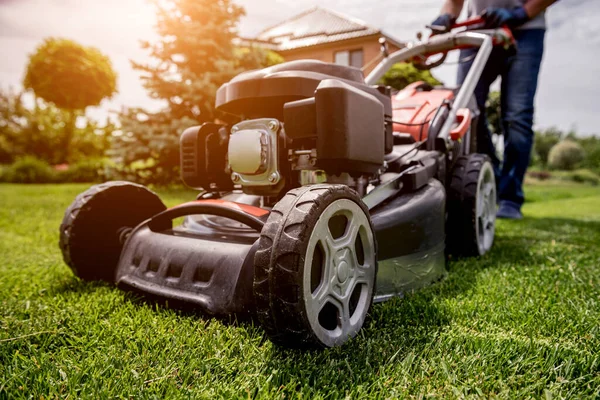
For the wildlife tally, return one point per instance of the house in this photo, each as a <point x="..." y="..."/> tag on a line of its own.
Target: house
<point x="326" y="35"/>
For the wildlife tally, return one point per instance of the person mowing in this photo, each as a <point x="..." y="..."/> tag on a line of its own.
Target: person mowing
<point x="519" y="73"/>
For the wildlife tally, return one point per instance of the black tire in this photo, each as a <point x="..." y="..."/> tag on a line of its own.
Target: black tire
<point x="280" y="271"/>
<point x="90" y="231"/>
<point x="469" y="233"/>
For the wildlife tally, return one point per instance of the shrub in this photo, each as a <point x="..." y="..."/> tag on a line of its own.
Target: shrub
<point x="566" y="155"/>
<point x="403" y="74"/>
<point x="541" y="175"/>
<point x="591" y="144"/>
<point x="585" y="176"/>
<point x="544" y="141"/>
<point x="28" y="170"/>
<point x="85" y="171"/>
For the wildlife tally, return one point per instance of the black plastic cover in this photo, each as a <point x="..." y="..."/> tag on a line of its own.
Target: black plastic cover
<point x="350" y="129"/>
<point x="263" y="93"/>
<point x="211" y="273"/>
<point x="332" y="70"/>
<point x="300" y="119"/>
<point x="412" y="222"/>
<point x="203" y="157"/>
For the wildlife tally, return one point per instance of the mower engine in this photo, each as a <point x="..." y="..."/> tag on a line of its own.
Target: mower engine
<point x="315" y="122"/>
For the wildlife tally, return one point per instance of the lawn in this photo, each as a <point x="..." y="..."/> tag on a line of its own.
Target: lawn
<point x="523" y="321"/>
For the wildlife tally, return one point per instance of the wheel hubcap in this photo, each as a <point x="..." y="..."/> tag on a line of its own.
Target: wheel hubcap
<point x="486" y="208"/>
<point x="342" y="272"/>
<point x="339" y="272"/>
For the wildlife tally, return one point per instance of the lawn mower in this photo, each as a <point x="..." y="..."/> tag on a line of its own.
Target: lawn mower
<point x="331" y="193"/>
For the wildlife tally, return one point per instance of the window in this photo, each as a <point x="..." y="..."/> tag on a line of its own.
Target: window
<point x="353" y="58"/>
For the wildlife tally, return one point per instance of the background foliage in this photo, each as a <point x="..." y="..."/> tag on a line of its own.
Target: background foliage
<point x="194" y="57"/>
<point x="72" y="77"/>
<point x="40" y="131"/>
<point x="566" y="155"/>
<point x="403" y="74"/>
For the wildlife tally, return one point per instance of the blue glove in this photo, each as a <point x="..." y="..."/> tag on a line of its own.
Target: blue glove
<point x="497" y="17"/>
<point x="443" y="23"/>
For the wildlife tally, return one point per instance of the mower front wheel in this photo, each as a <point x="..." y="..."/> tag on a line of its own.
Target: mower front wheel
<point x="315" y="268"/>
<point x="93" y="228"/>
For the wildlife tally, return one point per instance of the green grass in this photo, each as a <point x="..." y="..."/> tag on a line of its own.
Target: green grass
<point x="523" y="321"/>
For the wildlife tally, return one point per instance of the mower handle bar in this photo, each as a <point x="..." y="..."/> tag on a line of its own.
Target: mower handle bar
<point x="484" y="39"/>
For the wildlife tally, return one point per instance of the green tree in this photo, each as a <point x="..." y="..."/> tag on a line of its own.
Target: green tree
<point x="194" y="57"/>
<point x="403" y="74"/>
<point x="591" y="144"/>
<point x="72" y="77"/>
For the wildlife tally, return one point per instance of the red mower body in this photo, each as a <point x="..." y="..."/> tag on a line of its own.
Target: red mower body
<point x="414" y="109"/>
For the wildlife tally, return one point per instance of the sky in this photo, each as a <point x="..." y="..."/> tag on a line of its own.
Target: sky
<point x="568" y="94"/>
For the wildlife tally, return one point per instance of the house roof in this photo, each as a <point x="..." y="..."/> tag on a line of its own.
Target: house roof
<point x="316" y="26"/>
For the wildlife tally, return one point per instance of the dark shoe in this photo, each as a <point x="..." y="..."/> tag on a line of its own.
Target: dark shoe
<point x="509" y="210"/>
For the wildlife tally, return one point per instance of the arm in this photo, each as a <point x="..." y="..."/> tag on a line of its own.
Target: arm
<point x="454" y="7"/>
<point x="535" y="7"/>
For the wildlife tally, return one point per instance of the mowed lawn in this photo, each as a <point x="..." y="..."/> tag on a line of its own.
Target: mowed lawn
<point x="523" y="321"/>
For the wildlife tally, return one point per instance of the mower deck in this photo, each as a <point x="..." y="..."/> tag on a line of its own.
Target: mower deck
<point x="208" y="261"/>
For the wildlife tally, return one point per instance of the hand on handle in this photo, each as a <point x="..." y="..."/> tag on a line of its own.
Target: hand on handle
<point x="442" y="24"/>
<point x="497" y="17"/>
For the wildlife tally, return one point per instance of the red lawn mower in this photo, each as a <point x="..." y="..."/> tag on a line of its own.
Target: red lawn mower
<point x="331" y="193"/>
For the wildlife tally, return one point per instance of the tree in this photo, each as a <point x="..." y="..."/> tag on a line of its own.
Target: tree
<point x="591" y="144"/>
<point x="194" y="57"/>
<point x="403" y="74"/>
<point x="72" y="77"/>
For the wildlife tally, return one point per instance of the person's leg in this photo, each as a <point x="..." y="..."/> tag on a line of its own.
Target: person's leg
<point x="491" y="71"/>
<point x="519" y="85"/>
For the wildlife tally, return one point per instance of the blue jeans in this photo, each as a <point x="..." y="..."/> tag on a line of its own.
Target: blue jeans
<point x="519" y="72"/>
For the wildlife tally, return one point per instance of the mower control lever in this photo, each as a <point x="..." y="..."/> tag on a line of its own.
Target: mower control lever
<point x="463" y="118"/>
<point x="469" y="23"/>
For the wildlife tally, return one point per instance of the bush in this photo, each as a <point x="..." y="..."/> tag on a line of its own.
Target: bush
<point x="591" y="144"/>
<point x="566" y="155"/>
<point x="403" y="74"/>
<point x="28" y="170"/>
<point x="84" y="171"/>
<point x="544" y="141"/>
<point x="585" y="176"/>
<point x="541" y="175"/>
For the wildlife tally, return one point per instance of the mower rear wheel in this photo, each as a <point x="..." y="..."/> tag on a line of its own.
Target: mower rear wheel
<point x="315" y="268"/>
<point x="471" y="222"/>
<point x="93" y="228"/>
